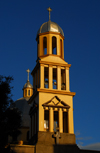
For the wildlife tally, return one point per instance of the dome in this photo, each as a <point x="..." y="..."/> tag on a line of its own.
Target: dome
<point x="50" y="26"/>
<point x="23" y="106"/>
<point x="28" y="85"/>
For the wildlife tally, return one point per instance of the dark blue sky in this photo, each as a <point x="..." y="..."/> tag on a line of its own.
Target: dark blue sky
<point x="80" y="21"/>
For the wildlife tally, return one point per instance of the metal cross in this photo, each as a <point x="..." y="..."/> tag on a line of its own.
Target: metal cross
<point x="28" y="71"/>
<point x="49" y="10"/>
<point x="57" y="135"/>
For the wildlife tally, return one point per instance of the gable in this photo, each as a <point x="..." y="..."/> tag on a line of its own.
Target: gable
<point x="55" y="102"/>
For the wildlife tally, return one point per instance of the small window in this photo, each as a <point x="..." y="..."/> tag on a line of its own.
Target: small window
<point x="54" y="45"/>
<point x="25" y="92"/>
<point x="44" y="45"/>
<point x="28" y="92"/>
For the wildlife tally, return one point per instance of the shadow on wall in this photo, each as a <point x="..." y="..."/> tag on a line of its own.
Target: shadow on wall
<point x="66" y="149"/>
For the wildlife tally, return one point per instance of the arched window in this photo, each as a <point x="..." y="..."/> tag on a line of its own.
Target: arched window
<point x="54" y="45"/>
<point x="25" y="92"/>
<point x="44" y="45"/>
<point x="28" y="92"/>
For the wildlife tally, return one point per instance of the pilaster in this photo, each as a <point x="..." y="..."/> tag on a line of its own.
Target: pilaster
<point x="67" y="78"/>
<point x="41" y="75"/>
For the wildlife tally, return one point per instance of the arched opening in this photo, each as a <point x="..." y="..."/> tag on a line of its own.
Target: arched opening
<point x="28" y="92"/>
<point x="54" y="45"/>
<point x="44" y="45"/>
<point x="25" y="92"/>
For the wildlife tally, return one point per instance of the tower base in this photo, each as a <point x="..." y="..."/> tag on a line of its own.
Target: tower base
<point x="47" y="138"/>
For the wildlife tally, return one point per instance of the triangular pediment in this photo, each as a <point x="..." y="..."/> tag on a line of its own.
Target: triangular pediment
<point x="56" y="102"/>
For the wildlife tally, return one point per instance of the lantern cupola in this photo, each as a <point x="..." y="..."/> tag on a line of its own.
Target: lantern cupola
<point x="50" y="39"/>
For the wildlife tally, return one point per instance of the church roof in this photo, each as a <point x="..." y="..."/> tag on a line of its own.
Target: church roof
<point x="50" y="26"/>
<point x="27" y="84"/>
<point x="24" y="107"/>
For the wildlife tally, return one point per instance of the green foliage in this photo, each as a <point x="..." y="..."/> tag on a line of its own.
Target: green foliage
<point x="10" y="117"/>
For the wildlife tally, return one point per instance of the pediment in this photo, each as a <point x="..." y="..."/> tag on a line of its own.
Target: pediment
<point x="56" y="103"/>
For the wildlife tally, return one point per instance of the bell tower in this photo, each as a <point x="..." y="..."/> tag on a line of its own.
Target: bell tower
<point x="52" y="100"/>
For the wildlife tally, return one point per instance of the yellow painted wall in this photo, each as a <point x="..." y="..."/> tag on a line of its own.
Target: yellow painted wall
<point x="44" y="97"/>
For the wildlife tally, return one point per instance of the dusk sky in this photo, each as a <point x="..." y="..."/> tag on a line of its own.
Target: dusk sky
<point x="80" y="21"/>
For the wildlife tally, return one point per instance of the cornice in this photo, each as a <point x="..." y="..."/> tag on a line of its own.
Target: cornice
<point x="55" y="64"/>
<point x="56" y="92"/>
<point x="42" y="56"/>
<point x="50" y="32"/>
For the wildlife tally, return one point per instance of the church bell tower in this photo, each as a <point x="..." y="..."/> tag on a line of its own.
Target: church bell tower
<point x="52" y="100"/>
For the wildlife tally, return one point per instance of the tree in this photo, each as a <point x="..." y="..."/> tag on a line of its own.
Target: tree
<point x="10" y="117"/>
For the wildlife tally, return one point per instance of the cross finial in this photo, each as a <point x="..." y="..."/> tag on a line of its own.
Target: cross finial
<point x="28" y="71"/>
<point x="49" y="10"/>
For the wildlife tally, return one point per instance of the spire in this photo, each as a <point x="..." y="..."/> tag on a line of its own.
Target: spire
<point x="28" y="71"/>
<point x="49" y="10"/>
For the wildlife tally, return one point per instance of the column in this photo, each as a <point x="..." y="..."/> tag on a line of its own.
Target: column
<point x="41" y="75"/>
<point x="60" y="120"/>
<point x="63" y="50"/>
<point x="41" y="45"/>
<point x="49" y="44"/>
<point x="69" y="123"/>
<point x="67" y="79"/>
<point x="50" y="76"/>
<point x="58" y="77"/>
<point x="38" y="77"/>
<point x="51" y="119"/>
